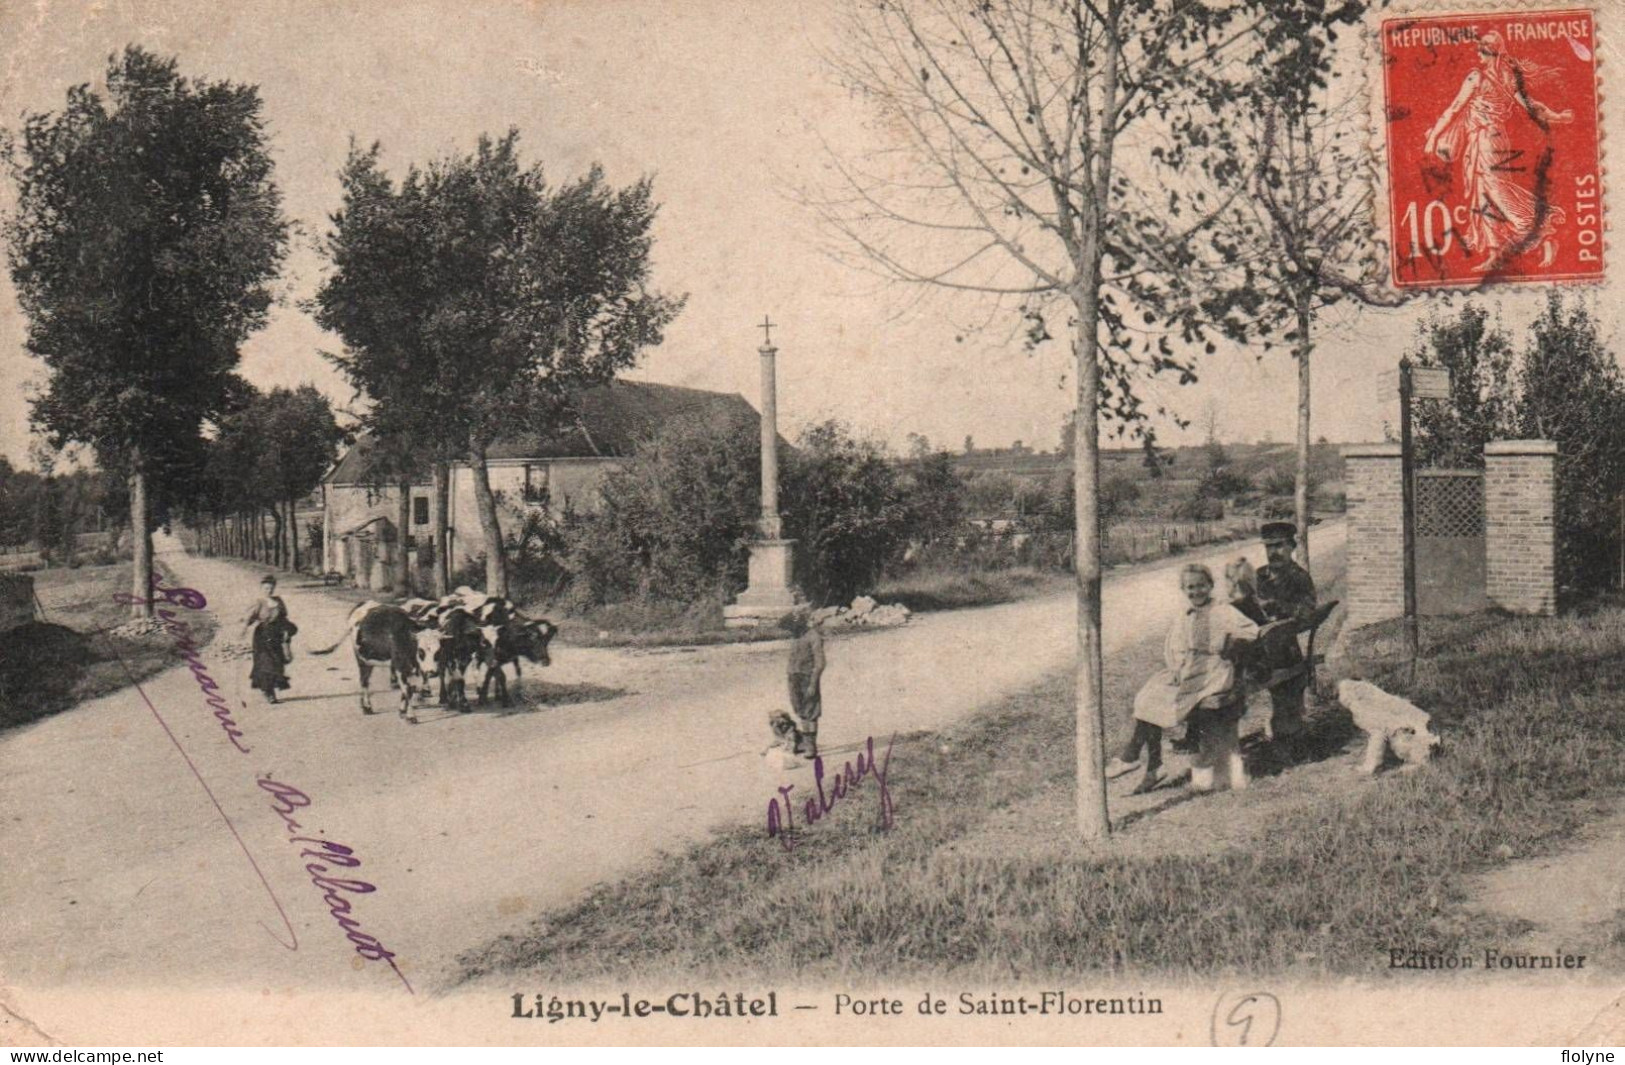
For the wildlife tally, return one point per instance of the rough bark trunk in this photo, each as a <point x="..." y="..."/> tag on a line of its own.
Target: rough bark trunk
<point x="140" y="541"/>
<point x="442" y="542"/>
<point x="293" y="533"/>
<point x="276" y="536"/>
<point x="403" y="562"/>
<point x="496" y="563"/>
<point x="1300" y="487"/>
<point x="1094" y="822"/>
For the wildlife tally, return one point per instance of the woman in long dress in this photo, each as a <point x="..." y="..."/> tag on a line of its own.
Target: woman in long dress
<point x="1504" y="219"/>
<point x="273" y="633"/>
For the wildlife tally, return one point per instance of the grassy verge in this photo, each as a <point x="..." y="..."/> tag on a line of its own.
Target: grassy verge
<point x="67" y="657"/>
<point x="957" y="588"/>
<point x="1327" y="886"/>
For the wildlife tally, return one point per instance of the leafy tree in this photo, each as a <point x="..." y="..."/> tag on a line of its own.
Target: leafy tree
<point x="1478" y="353"/>
<point x="935" y="492"/>
<point x="1222" y="480"/>
<point x="474" y="298"/>
<point x="847" y="510"/>
<point x="146" y="234"/>
<point x="1570" y="390"/>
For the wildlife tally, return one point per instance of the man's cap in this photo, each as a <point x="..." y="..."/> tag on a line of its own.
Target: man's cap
<point x="1277" y="532"/>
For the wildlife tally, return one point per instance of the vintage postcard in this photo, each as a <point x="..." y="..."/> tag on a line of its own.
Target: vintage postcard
<point x="738" y="522"/>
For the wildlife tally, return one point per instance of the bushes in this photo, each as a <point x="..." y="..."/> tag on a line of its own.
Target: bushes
<point x="674" y="522"/>
<point x="847" y="508"/>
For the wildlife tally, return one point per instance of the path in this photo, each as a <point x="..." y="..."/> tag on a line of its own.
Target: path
<point x="120" y="871"/>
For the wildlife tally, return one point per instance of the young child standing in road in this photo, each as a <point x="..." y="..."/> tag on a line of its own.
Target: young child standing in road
<point x="805" y="675"/>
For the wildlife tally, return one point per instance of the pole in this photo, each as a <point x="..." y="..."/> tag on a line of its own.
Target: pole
<point x="1407" y="476"/>
<point x="772" y="527"/>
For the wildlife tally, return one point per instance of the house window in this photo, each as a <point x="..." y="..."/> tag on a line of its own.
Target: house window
<point x="535" y="490"/>
<point x="420" y="510"/>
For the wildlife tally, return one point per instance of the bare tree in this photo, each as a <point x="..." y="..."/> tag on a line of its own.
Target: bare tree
<point x="1302" y="241"/>
<point x="1013" y="122"/>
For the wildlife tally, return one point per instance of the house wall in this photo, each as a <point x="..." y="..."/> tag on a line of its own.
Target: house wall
<point x="569" y="482"/>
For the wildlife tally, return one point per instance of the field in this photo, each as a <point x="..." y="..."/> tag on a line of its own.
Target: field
<point x="1315" y="871"/>
<point x="67" y="657"/>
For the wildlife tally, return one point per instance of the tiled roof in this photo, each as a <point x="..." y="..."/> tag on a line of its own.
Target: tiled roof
<point x="609" y="421"/>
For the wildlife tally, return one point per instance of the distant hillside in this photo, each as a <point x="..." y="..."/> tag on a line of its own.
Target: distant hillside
<point x="1254" y="461"/>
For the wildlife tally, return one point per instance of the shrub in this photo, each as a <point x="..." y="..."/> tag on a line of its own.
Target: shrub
<point x="674" y="522"/>
<point x="847" y="509"/>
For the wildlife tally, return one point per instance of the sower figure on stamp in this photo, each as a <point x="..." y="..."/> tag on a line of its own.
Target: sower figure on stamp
<point x="1285" y="592"/>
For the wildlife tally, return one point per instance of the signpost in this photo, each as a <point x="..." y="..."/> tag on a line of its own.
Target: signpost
<point x="1407" y="477"/>
<point x="1413" y="383"/>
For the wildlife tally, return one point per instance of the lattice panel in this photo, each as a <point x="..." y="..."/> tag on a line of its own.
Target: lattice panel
<point x="1450" y="504"/>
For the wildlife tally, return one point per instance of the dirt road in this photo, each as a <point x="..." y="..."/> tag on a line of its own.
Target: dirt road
<point x="122" y="869"/>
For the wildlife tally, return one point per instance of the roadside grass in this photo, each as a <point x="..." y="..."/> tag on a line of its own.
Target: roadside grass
<point x="53" y="664"/>
<point x="954" y="588"/>
<point x="1529" y="711"/>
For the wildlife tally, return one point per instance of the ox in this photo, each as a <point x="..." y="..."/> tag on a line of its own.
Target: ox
<point x="516" y="640"/>
<point x="383" y="635"/>
<point x="447" y="651"/>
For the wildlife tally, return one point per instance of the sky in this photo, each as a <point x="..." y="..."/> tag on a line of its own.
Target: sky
<point x="729" y="106"/>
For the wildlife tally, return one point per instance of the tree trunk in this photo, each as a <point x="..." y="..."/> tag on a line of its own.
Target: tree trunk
<point x="403" y="563"/>
<point x="293" y="532"/>
<point x="278" y="537"/>
<point x="438" y="532"/>
<point x="140" y="541"/>
<point x="1300" y="486"/>
<point x="496" y="563"/>
<point x="1094" y="822"/>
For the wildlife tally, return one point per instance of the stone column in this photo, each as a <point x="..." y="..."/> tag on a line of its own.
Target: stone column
<point x="771" y="525"/>
<point x="1520" y="541"/>
<point x="770" y="594"/>
<point x="1376" y="540"/>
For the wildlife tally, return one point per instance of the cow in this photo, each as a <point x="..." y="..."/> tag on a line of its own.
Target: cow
<point x="515" y="640"/>
<point x="383" y="635"/>
<point x="449" y="649"/>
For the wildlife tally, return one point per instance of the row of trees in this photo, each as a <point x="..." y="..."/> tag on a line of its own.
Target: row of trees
<point x="473" y="298"/>
<point x="49" y="511"/>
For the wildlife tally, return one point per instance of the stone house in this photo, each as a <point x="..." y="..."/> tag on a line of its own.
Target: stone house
<point x="527" y="470"/>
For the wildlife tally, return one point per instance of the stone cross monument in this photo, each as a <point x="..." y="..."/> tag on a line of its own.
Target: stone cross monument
<point x="770" y="595"/>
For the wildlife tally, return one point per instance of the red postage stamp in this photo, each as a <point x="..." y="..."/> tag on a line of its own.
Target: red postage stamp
<point x="1492" y="147"/>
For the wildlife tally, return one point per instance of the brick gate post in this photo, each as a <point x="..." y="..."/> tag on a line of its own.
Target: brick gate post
<point x="1520" y="539"/>
<point x="1376" y="544"/>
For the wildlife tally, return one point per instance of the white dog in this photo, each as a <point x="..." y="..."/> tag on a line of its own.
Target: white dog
<point x="1390" y="722"/>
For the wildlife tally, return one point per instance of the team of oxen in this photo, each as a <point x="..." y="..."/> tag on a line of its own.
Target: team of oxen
<point x="465" y="635"/>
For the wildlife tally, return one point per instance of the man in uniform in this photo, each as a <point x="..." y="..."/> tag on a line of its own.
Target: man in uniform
<point x="1285" y="591"/>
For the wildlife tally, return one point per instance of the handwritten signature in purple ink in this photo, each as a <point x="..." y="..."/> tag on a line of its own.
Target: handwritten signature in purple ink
<point x="781" y="818"/>
<point x="191" y="599"/>
<point x="285" y="799"/>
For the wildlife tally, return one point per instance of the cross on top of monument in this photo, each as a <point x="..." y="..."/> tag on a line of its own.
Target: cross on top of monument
<point x="767" y="331"/>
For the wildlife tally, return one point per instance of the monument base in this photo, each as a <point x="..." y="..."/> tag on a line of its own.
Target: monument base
<point x="770" y="595"/>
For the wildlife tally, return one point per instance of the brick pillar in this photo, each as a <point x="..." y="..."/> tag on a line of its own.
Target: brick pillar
<point x="1520" y="542"/>
<point x="1376" y="539"/>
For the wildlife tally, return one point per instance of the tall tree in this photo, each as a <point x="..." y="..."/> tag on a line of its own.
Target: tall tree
<point x="1027" y="130"/>
<point x="1477" y="352"/>
<point x="503" y="298"/>
<point x="301" y="437"/>
<point x="1302" y="240"/>
<point x="146" y="234"/>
